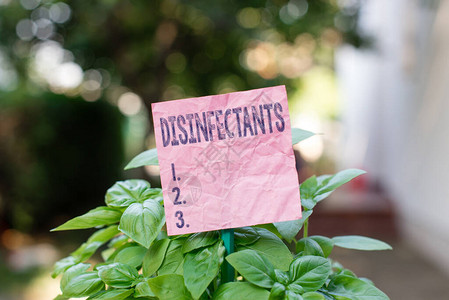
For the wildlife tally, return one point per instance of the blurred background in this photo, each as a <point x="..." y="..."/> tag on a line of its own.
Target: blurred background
<point x="77" y="79"/>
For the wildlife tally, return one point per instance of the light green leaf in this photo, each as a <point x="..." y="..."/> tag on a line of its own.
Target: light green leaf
<point x="76" y="282"/>
<point x="270" y="247"/>
<point x="104" y="235"/>
<point x="143" y="289"/>
<point x="169" y="287"/>
<point x="253" y="267"/>
<point x="281" y="276"/>
<point x="118" y="241"/>
<point x="339" y="179"/>
<point x="200" y="240"/>
<point x="143" y="221"/>
<point x="173" y="261"/>
<point x="299" y="135"/>
<point x="125" y="193"/>
<point x="313" y="296"/>
<point x="201" y="267"/>
<point x="118" y="275"/>
<point x="146" y="158"/>
<point x="95" y="241"/>
<point x="360" y="243"/>
<point x="310" y="272"/>
<point x="354" y="289"/>
<point x="96" y="217"/>
<point x="277" y="292"/>
<point x="119" y="294"/>
<point x="154" y="257"/>
<point x="325" y="243"/>
<point x="289" y="295"/>
<point x="240" y="291"/>
<point x="131" y="256"/>
<point x="62" y="265"/>
<point x="61" y="297"/>
<point x="307" y="190"/>
<point x="307" y="246"/>
<point x="289" y="229"/>
<point x="245" y="236"/>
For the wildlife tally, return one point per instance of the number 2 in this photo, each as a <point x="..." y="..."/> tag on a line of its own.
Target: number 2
<point x="176" y="189"/>
<point x="179" y="215"/>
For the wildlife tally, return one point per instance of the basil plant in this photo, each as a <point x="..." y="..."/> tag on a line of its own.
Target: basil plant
<point x="139" y="260"/>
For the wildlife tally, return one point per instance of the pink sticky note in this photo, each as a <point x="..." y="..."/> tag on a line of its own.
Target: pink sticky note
<point x="226" y="161"/>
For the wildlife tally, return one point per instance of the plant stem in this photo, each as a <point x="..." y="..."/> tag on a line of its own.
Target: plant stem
<point x="306" y="228"/>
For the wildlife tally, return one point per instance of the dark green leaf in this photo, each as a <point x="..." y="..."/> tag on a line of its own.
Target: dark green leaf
<point x="62" y="265"/>
<point x="339" y="179"/>
<point x="125" y="193"/>
<point x="173" y="261"/>
<point x="131" y="256"/>
<point x="360" y="243"/>
<point x="289" y="295"/>
<point x="307" y="190"/>
<point x="96" y="217"/>
<point x="240" y="291"/>
<point x="307" y="246"/>
<point x="146" y="158"/>
<point x="354" y="289"/>
<point x="271" y="247"/>
<point x="277" y="292"/>
<point x="325" y="243"/>
<point x="118" y="275"/>
<point x="169" y="287"/>
<point x="143" y="289"/>
<point x="143" y="221"/>
<point x="154" y="257"/>
<point x="245" y="236"/>
<point x="296" y="288"/>
<point x="281" y="276"/>
<point x="119" y="294"/>
<point x="299" y="135"/>
<point x="289" y="229"/>
<point x="253" y="267"/>
<point x="310" y="272"/>
<point x="76" y="282"/>
<point x="61" y="297"/>
<point x="200" y="240"/>
<point x="201" y="267"/>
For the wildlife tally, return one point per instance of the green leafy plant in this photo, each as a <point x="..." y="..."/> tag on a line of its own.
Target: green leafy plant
<point x="141" y="262"/>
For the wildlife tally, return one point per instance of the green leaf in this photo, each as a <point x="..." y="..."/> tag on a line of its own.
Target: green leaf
<point x="201" y="267"/>
<point x="289" y="229"/>
<point x="146" y="158"/>
<point x="245" y="236"/>
<point x="125" y="193"/>
<point x="307" y="246"/>
<point x="95" y="241"/>
<point x="118" y="241"/>
<point x="325" y="243"/>
<point x="307" y="190"/>
<point x="131" y="256"/>
<point x="271" y="247"/>
<point x="143" y="221"/>
<point x="200" y="240"/>
<point x="143" y="289"/>
<point x="169" y="287"/>
<point x="310" y="272"/>
<point x="104" y="235"/>
<point x="339" y="179"/>
<point x="173" y="261"/>
<point x="76" y="282"/>
<point x="354" y="289"/>
<point x="299" y="135"/>
<point x="154" y="257"/>
<point x="296" y="288"/>
<point x="277" y="292"/>
<point x="253" y="267"/>
<point x="96" y="217"/>
<point x="289" y="295"/>
<point x="240" y="291"/>
<point x="313" y="296"/>
<point x="281" y="277"/>
<point x="360" y="243"/>
<point x="62" y="265"/>
<point x="119" y="294"/>
<point x="61" y="297"/>
<point x="118" y="275"/>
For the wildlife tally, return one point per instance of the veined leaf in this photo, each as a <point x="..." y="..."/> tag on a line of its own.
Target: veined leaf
<point x="62" y="265"/>
<point x="289" y="229"/>
<point x="118" y="275"/>
<point x="271" y="247"/>
<point x="240" y="291"/>
<point x="245" y="236"/>
<point x="339" y="179"/>
<point x="354" y="288"/>
<point x="253" y="267"/>
<point x="131" y="256"/>
<point x="313" y="296"/>
<point x="201" y="267"/>
<point x="125" y="193"/>
<point x="96" y="217"/>
<point x="299" y="135"/>
<point x="119" y="294"/>
<point x="173" y="261"/>
<point x="169" y="287"/>
<point x="76" y="282"/>
<point x="154" y="257"/>
<point x="146" y="158"/>
<point x="143" y="289"/>
<point x="360" y="243"/>
<point x="143" y="221"/>
<point x="310" y="272"/>
<point x="200" y="240"/>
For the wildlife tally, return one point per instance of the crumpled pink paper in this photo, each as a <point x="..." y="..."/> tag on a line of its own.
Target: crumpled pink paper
<point x="234" y="168"/>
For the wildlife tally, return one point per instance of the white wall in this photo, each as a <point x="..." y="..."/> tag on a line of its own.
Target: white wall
<point x="396" y="114"/>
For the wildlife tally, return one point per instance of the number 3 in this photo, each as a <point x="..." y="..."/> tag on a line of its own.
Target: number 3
<point x="179" y="215"/>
